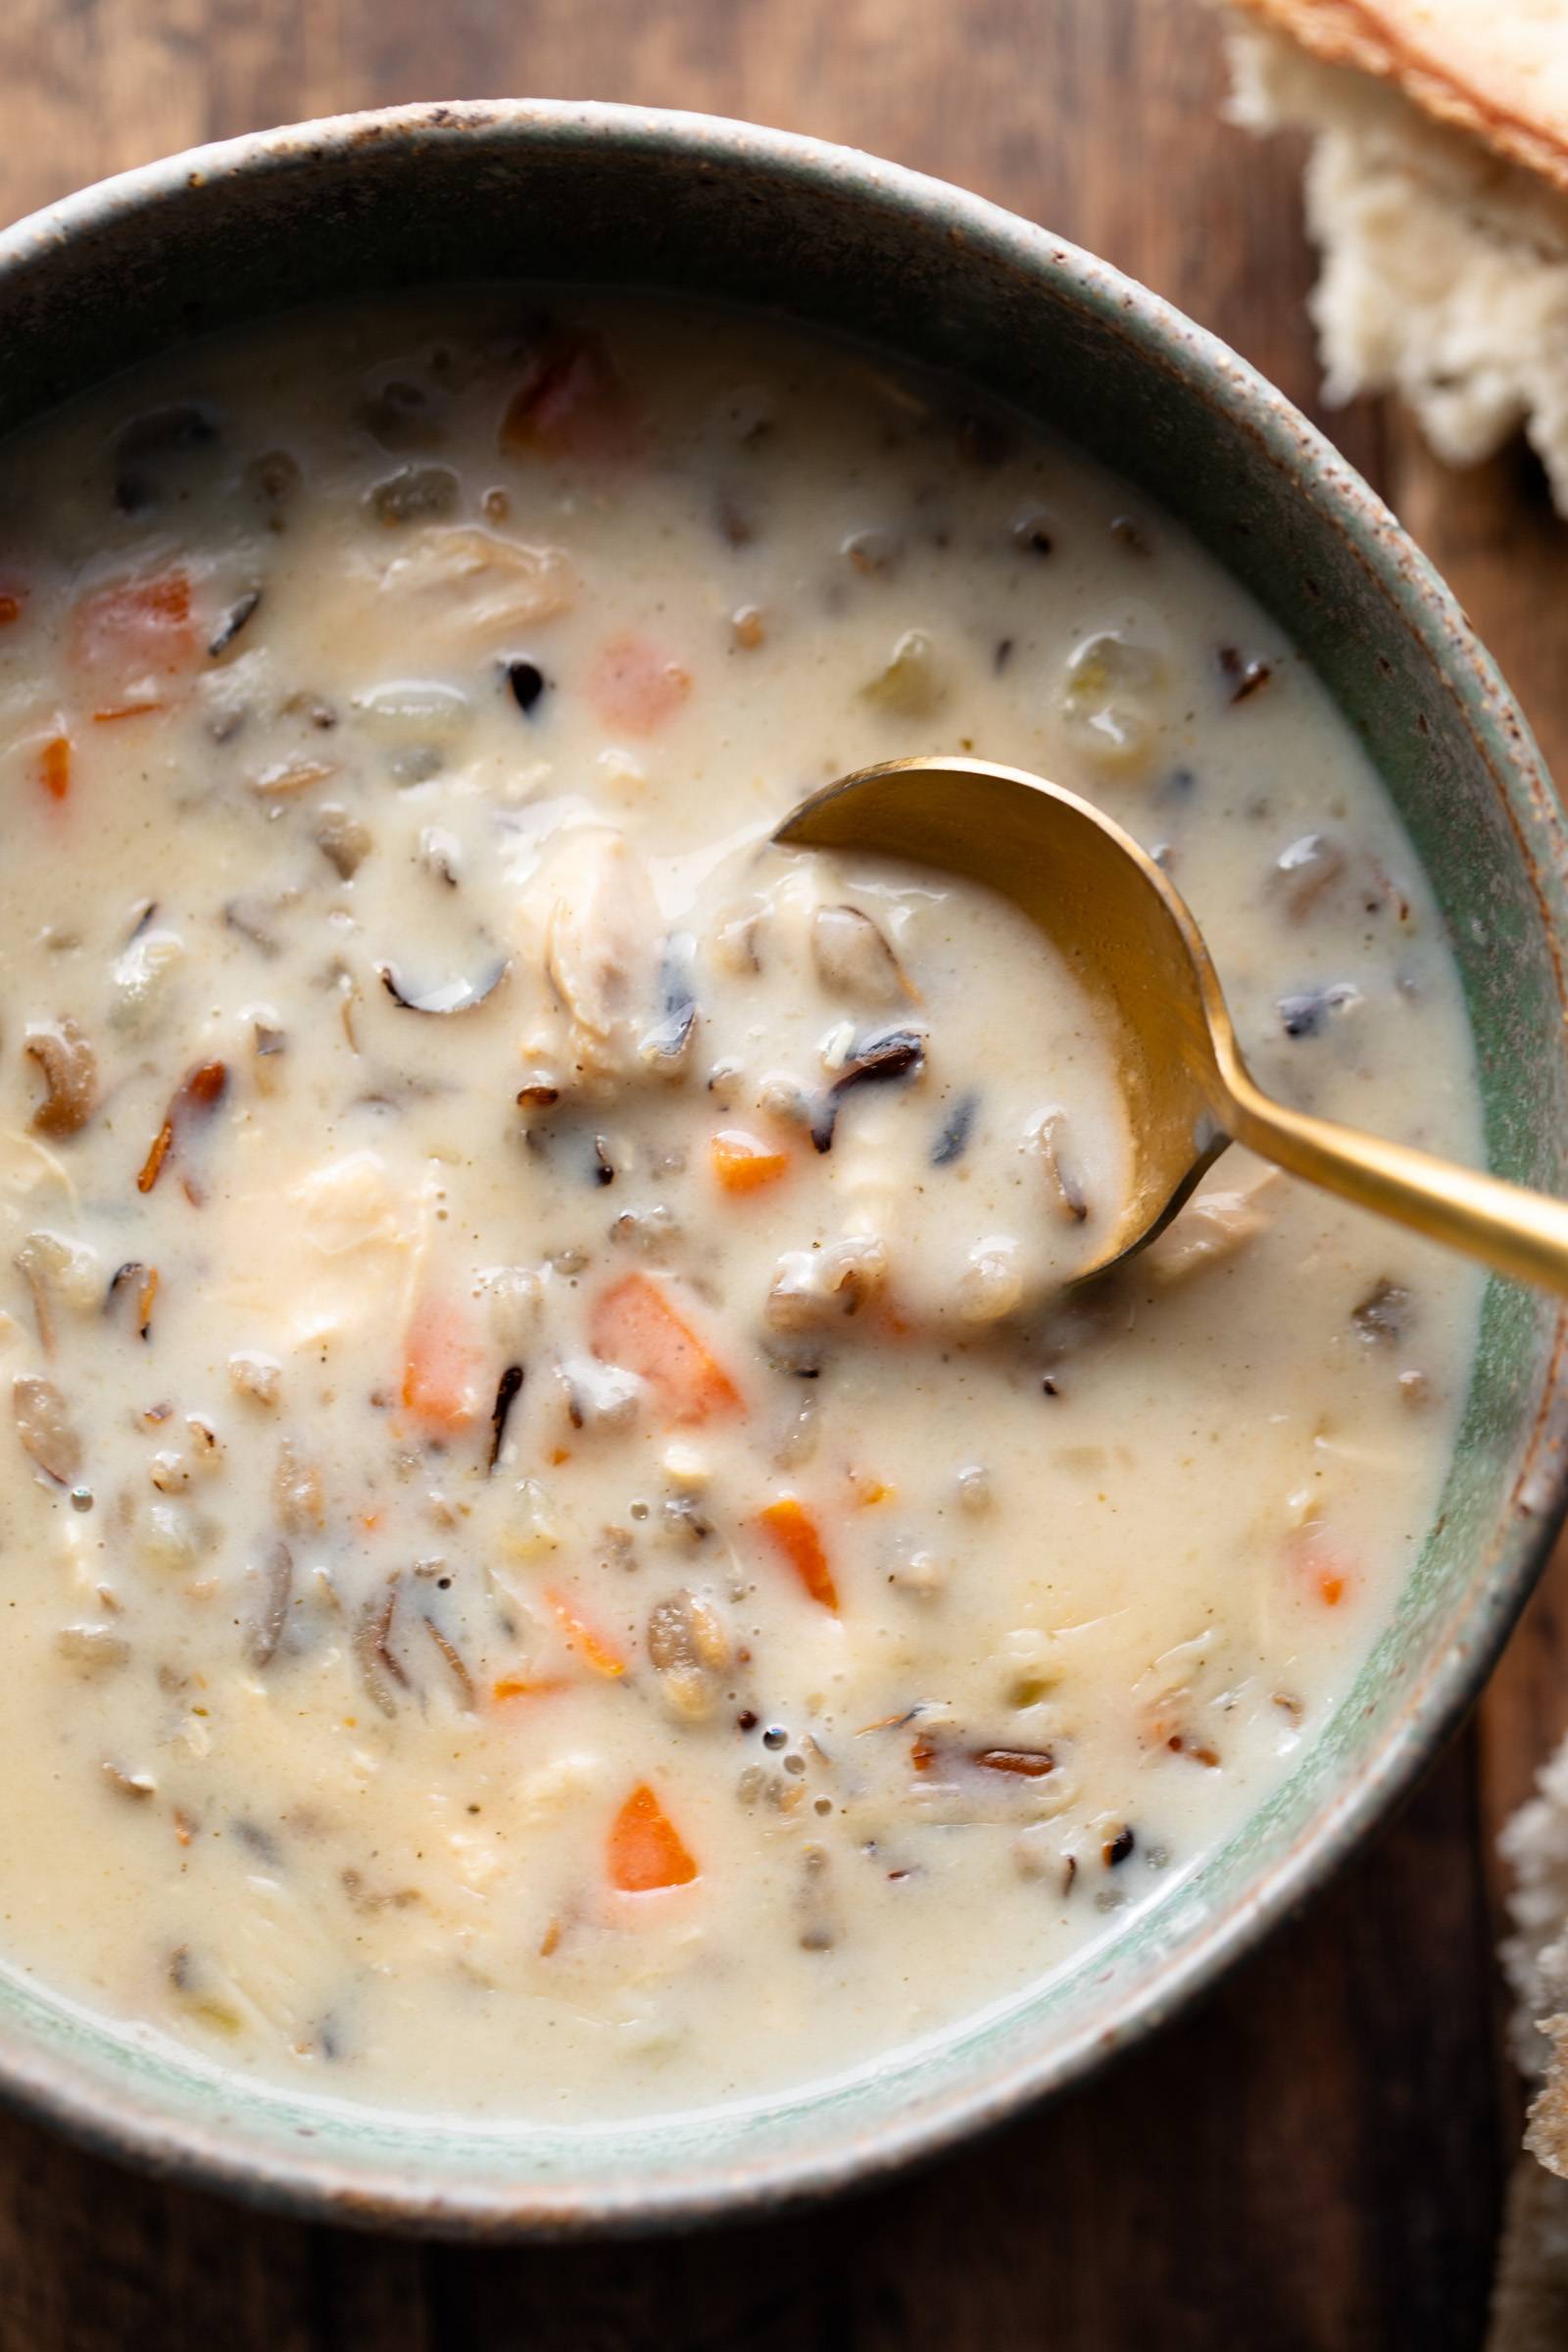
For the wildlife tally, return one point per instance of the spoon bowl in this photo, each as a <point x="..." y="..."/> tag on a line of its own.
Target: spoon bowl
<point x="1133" y="944"/>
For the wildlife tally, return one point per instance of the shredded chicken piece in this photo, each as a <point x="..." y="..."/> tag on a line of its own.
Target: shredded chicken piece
<point x="487" y="583"/>
<point x="1211" y="1228"/>
<point x="590" y="929"/>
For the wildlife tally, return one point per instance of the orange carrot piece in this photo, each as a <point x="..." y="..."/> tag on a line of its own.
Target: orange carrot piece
<point x="744" y="1164"/>
<point x="1327" y="1568"/>
<point x="526" y="1685"/>
<point x="795" y="1535"/>
<point x="54" y="766"/>
<point x="11" y="604"/>
<point x="633" y="1324"/>
<point x="569" y="404"/>
<point x="635" y="686"/>
<point x="595" y="1650"/>
<point x="645" y="1850"/>
<point x="132" y="629"/>
<point x="440" y="1365"/>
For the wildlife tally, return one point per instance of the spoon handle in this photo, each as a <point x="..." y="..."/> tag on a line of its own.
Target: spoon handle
<point x="1515" y="1232"/>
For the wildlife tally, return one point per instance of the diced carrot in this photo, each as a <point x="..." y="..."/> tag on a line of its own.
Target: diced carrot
<point x="595" y="1650"/>
<point x="131" y="630"/>
<point x="793" y="1533"/>
<point x="570" y="402"/>
<point x="635" y="686"/>
<point x="11" y="603"/>
<point x="1326" y="1569"/>
<point x="54" y="766"/>
<point x="645" y="1850"/>
<point x="633" y="1324"/>
<point x="744" y="1164"/>
<point x="441" y="1363"/>
<point x="526" y="1685"/>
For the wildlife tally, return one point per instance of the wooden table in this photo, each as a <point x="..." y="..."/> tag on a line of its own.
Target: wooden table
<point x="1316" y="2158"/>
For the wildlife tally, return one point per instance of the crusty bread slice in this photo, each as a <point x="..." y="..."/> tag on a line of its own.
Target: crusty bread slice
<point x="1499" y="68"/>
<point x="1530" y="2288"/>
<point x="1444" y="272"/>
<point x="1546" y="2136"/>
<point x="1535" y="1959"/>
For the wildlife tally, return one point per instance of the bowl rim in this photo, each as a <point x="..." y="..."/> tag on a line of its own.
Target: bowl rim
<point x="216" y="2154"/>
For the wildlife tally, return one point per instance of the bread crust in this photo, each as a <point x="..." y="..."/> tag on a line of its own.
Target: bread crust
<point x="1547" y="2137"/>
<point x="1488" y="95"/>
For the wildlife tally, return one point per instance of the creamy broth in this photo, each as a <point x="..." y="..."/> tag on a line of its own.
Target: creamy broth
<point x="565" y="1548"/>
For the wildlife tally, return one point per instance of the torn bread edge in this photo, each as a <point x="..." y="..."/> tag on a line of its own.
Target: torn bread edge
<point x="1445" y="265"/>
<point x="1529" y="2289"/>
<point x="1534" y="1955"/>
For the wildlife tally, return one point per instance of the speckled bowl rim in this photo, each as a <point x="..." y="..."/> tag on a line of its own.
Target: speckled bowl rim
<point x="320" y="2185"/>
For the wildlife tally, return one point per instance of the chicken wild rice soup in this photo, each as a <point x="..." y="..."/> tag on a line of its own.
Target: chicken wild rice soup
<point x="565" y="1545"/>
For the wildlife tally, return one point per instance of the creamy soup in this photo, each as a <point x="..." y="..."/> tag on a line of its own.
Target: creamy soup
<point x="567" y="1545"/>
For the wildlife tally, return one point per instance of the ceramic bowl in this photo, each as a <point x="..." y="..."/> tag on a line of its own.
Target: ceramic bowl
<point x="445" y="193"/>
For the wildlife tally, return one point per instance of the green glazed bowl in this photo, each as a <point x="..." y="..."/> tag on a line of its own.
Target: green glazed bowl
<point x="431" y="194"/>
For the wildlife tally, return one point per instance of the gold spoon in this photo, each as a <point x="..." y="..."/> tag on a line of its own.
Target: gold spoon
<point x="1134" y="945"/>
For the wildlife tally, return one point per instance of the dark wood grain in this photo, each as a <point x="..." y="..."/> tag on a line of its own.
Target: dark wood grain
<point x="1313" y="2161"/>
